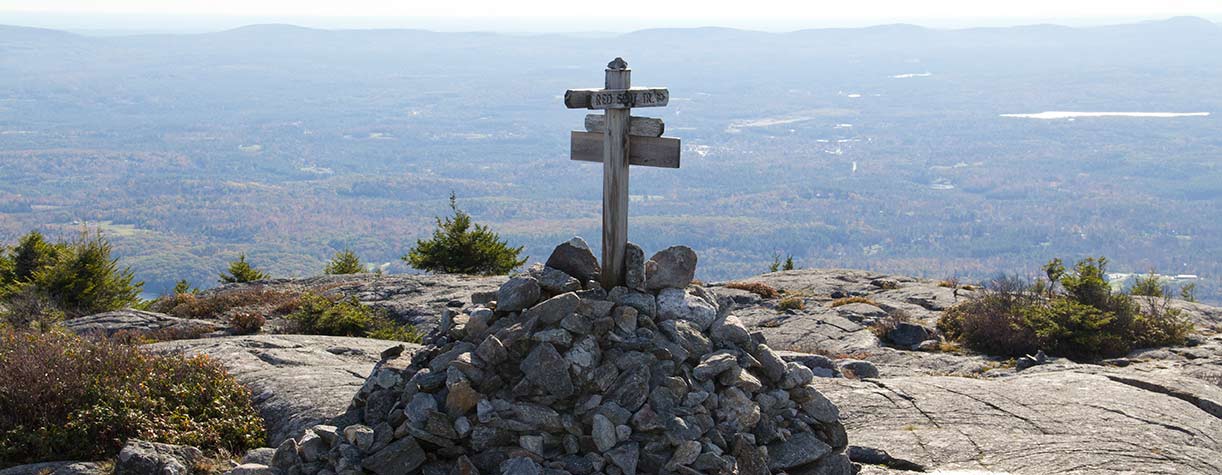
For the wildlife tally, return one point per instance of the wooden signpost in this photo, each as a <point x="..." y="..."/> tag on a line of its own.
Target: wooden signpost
<point x="618" y="140"/>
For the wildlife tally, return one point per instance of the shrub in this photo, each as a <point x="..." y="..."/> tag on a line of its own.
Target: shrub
<point x="462" y="247"/>
<point x="791" y="303"/>
<point x="320" y="315"/>
<point x="1084" y="319"/>
<point x="758" y="288"/>
<point x="344" y="262"/>
<point x="241" y="271"/>
<point x="69" y="398"/>
<point x="246" y="323"/>
<point x="28" y="308"/>
<point x="854" y="299"/>
<point x="219" y="303"/>
<point x="894" y="318"/>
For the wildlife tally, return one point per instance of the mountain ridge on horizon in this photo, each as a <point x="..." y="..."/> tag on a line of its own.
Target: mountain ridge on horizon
<point x="1186" y="20"/>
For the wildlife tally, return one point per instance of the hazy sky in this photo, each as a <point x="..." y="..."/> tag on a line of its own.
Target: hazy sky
<point x="594" y="15"/>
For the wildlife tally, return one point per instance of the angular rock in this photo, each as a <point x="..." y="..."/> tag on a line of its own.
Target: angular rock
<point x="548" y="370"/>
<point x="603" y="432"/>
<point x="800" y="449"/>
<point x="575" y="258"/>
<point x="679" y="304"/>
<point x="401" y="457"/>
<point x="634" y="267"/>
<point x="554" y="281"/>
<point x="140" y="457"/>
<point x="517" y="294"/>
<point x="553" y="310"/>
<point x="909" y="334"/>
<point x="859" y="369"/>
<point x="673" y="267"/>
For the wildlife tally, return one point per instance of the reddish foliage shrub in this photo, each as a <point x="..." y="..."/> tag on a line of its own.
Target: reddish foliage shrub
<point x="246" y="323"/>
<point x="64" y="397"/>
<point x="217" y="305"/>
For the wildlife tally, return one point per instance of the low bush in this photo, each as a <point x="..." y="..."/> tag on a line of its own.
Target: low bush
<point x="64" y="397"/>
<point x="1072" y="313"/>
<point x="884" y="325"/>
<point x="219" y="303"/>
<point x="758" y="288"/>
<point x="791" y="303"/>
<point x="246" y="323"/>
<point x="321" y="315"/>
<point x="855" y="299"/>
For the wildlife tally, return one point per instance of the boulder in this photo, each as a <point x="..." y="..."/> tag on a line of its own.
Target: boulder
<point x="908" y="335"/>
<point x="575" y="258"/>
<point x="56" y="468"/>
<point x="673" y="267"/>
<point x="140" y="457"/>
<point x="140" y="322"/>
<point x="517" y="294"/>
<point x="681" y="304"/>
<point x="634" y="267"/>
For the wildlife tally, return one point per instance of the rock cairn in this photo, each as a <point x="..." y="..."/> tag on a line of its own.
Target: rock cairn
<point x="551" y="374"/>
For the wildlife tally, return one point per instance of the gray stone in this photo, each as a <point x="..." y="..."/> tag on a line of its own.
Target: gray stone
<point x="643" y="302"/>
<point x="687" y="334"/>
<point x="140" y="457"/>
<point x="548" y="370"/>
<point x="401" y="457"/>
<point x="800" y="449"/>
<point x="492" y="351"/>
<point x="358" y="435"/>
<point x="751" y="459"/>
<point x="252" y="469"/>
<point x="603" y="433"/>
<point x="673" y="267"/>
<point x="634" y="267"/>
<point x="521" y="466"/>
<point x="56" y="468"/>
<point x="555" y="281"/>
<point x="859" y="369"/>
<point x="260" y="456"/>
<point x="729" y="330"/>
<point x="714" y="364"/>
<point x="552" y="310"/>
<point x="907" y="334"/>
<point x="139" y="322"/>
<point x="685" y="454"/>
<point x="679" y="304"/>
<point x="575" y="258"/>
<point x="625" y="457"/>
<point x="517" y="294"/>
<point x="796" y="375"/>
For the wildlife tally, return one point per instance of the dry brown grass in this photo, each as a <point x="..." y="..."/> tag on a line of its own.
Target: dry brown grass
<point x="758" y="288"/>
<point x="884" y="325"/>
<point x="848" y="300"/>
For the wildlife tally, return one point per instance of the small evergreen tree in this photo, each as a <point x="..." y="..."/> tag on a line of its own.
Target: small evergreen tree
<point x="184" y="287"/>
<point x="32" y="253"/>
<point x="241" y="271"/>
<point x="1188" y="292"/>
<point x="1148" y="286"/>
<point x="344" y="262"/>
<point x="788" y="263"/>
<point x="776" y="262"/>
<point x="462" y="247"/>
<point x="85" y="280"/>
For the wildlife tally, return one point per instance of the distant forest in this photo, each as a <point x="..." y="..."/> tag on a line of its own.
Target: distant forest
<point x="881" y="148"/>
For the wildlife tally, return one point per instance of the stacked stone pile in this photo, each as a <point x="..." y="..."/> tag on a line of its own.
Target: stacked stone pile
<point x="552" y="374"/>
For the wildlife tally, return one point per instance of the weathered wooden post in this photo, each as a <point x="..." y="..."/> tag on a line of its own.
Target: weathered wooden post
<point x="624" y="140"/>
<point x="615" y="179"/>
